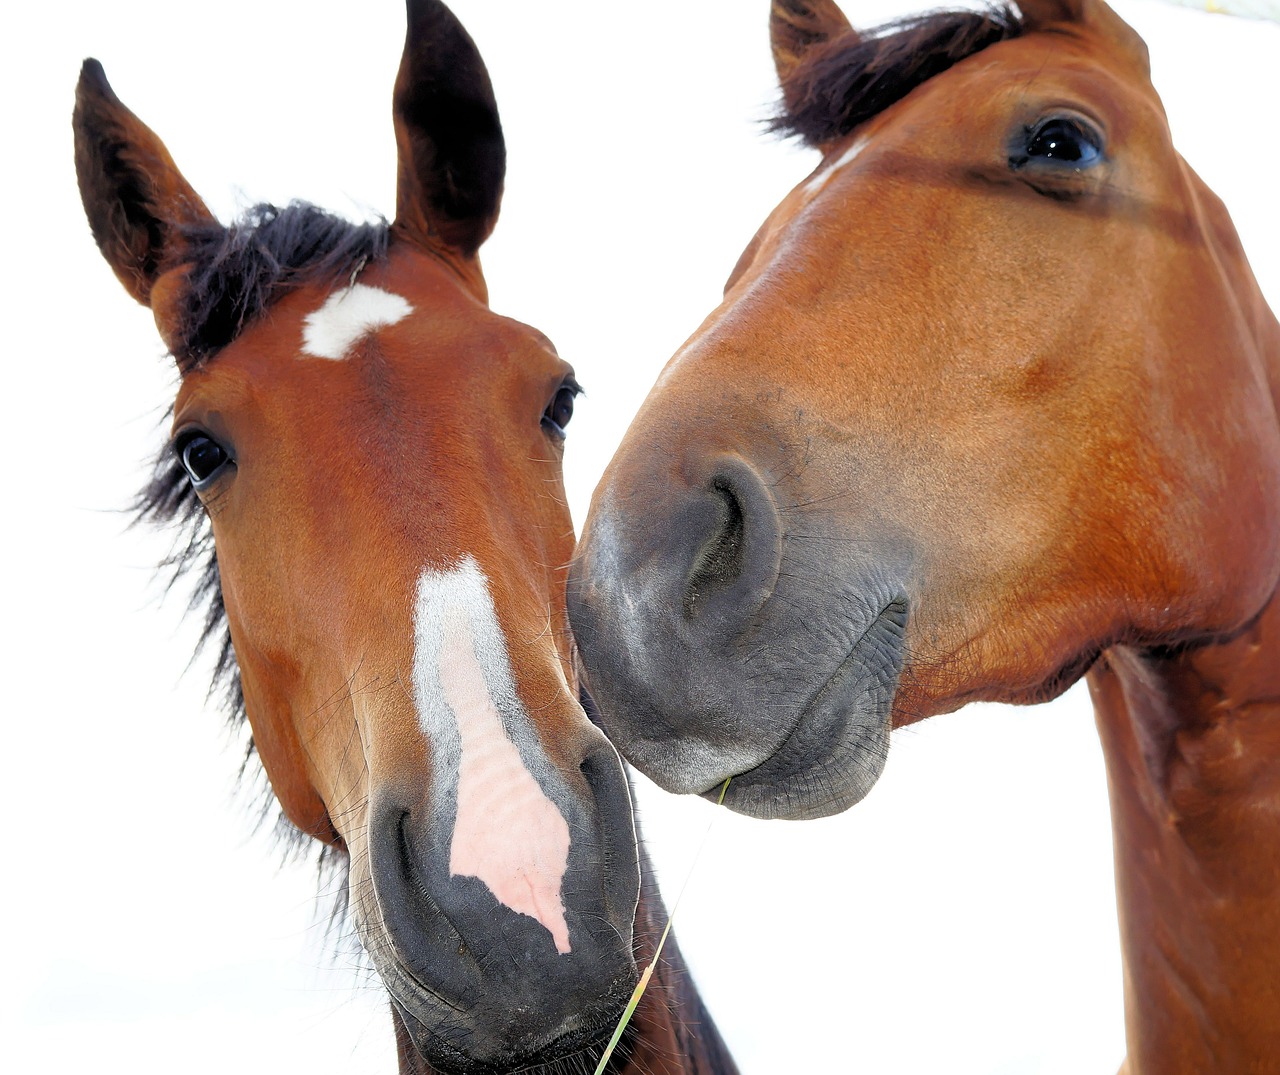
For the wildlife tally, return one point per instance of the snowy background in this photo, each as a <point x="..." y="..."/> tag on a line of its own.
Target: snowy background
<point x="960" y="920"/>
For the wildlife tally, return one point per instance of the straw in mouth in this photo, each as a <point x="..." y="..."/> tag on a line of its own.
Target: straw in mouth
<point x="643" y="984"/>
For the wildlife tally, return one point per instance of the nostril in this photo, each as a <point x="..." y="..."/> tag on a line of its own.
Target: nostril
<point x="718" y="564"/>
<point x="734" y="568"/>
<point x="604" y="775"/>
<point x="404" y="852"/>
<point x="407" y="867"/>
<point x="614" y="830"/>
<point x="590" y="708"/>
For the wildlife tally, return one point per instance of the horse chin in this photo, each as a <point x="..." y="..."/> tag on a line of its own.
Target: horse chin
<point x="837" y="748"/>
<point x="425" y="1052"/>
<point x="439" y="1037"/>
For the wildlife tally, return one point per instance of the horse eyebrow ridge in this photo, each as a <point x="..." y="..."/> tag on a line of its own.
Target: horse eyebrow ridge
<point x="841" y="83"/>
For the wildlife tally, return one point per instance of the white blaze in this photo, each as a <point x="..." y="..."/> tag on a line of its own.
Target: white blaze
<point x="507" y="832"/>
<point x="820" y="180"/>
<point x="347" y="317"/>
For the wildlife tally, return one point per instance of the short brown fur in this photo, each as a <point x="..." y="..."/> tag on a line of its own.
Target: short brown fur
<point x="1005" y="416"/>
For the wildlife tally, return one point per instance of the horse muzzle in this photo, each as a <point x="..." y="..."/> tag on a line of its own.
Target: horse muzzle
<point x="487" y="975"/>
<point x="722" y="643"/>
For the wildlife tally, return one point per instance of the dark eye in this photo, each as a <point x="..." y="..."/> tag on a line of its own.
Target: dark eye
<point x="560" y="410"/>
<point x="202" y="457"/>
<point x="1063" y="141"/>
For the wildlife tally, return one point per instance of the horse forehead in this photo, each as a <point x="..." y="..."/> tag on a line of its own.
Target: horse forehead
<point x="347" y="316"/>
<point x="402" y="339"/>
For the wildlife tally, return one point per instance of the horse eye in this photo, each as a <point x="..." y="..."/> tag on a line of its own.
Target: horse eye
<point x="560" y="410"/>
<point x="1063" y="140"/>
<point x="203" y="458"/>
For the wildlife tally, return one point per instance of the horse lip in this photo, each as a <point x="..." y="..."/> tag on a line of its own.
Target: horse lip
<point x="584" y="1030"/>
<point x="588" y="1030"/>
<point x="779" y="788"/>
<point x="802" y="724"/>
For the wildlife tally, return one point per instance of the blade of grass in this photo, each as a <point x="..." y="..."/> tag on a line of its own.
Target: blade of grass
<point x="643" y="984"/>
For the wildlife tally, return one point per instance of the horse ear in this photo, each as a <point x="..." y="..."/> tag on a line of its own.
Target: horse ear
<point x="1037" y="14"/>
<point x="795" y="26"/>
<point x="133" y="194"/>
<point x="452" y="157"/>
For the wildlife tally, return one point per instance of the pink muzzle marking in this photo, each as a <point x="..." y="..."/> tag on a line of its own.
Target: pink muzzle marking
<point x="507" y="832"/>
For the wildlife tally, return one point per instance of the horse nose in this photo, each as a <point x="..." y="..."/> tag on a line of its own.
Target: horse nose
<point x="526" y="968"/>
<point x="675" y="575"/>
<point x="735" y="539"/>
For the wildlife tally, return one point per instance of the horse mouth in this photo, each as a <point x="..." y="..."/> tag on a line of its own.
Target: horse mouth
<point x="477" y="987"/>
<point x="570" y="1053"/>
<point x="837" y="747"/>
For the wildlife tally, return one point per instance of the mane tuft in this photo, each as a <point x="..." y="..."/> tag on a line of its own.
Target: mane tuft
<point x="842" y="83"/>
<point x="238" y="271"/>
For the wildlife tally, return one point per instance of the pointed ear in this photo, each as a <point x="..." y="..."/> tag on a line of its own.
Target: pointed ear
<point x="795" y="26"/>
<point x="452" y="157"/>
<point x="134" y="195"/>
<point x="1037" y="14"/>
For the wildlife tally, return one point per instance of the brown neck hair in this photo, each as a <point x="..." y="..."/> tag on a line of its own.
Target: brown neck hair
<point x="1190" y="741"/>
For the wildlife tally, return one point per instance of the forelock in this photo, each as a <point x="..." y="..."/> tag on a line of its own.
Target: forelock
<point x="234" y="273"/>
<point x="840" y="84"/>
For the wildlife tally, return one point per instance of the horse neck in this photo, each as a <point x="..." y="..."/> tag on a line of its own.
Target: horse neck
<point x="1191" y="742"/>
<point x="672" y="1031"/>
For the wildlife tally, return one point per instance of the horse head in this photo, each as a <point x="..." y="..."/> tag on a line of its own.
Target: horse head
<point x="378" y="456"/>
<point x="990" y="391"/>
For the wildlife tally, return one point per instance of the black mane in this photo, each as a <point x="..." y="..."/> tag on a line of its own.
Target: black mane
<point x="842" y="83"/>
<point x="236" y="273"/>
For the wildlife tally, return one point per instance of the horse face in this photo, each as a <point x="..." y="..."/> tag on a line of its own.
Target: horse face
<point x="980" y="399"/>
<point x="379" y="456"/>
<point x="391" y="533"/>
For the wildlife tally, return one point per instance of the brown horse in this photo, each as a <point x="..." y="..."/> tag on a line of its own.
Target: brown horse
<point x="375" y="458"/>
<point x="990" y="403"/>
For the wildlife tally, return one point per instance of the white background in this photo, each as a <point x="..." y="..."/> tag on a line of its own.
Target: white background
<point x="960" y="920"/>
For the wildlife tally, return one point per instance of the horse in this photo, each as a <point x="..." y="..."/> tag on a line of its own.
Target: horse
<point x="367" y="462"/>
<point x="990" y="404"/>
